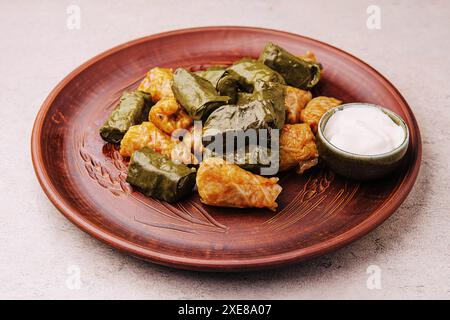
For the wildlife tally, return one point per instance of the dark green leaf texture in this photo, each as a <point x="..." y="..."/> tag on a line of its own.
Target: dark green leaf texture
<point x="196" y="94"/>
<point x="265" y="110"/>
<point x="133" y="108"/>
<point x="252" y="71"/>
<point x="295" y="71"/>
<point x="226" y="81"/>
<point x="157" y="176"/>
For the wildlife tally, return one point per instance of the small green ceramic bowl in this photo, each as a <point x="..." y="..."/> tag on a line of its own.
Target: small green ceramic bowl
<point x="356" y="166"/>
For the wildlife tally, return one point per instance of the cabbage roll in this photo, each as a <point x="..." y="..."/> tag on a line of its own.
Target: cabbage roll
<point x="169" y="116"/>
<point x="251" y="71"/>
<point x="295" y="100"/>
<point x="296" y="72"/>
<point x="297" y="147"/>
<point x="223" y="184"/>
<point x="156" y="176"/>
<point x="146" y="135"/>
<point x="197" y="95"/>
<point x="158" y="83"/>
<point x="315" y="109"/>
<point x="133" y="108"/>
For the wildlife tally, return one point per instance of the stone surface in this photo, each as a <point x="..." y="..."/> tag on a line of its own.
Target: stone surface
<point x="39" y="246"/>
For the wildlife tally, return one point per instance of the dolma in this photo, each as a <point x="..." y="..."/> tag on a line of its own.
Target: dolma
<point x="155" y="175"/>
<point x="236" y="119"/>
<point x="295" y="101"/>
<point x="250" y="157"/>
<point x="244" y="98"/>
<point x="223" y="184"/>
<point x="265" y="110"/>
<point x="296" y="71"/>
<point x="229" y="85"/>
<point x="272" y="94"/>
<point x="197" y="95"/>
<point x="251" y="71"/>
<point x="212" y="74"/>
<point x="315" y="109"/>
<point x="133" y="108"/>
<point x="297" y="147"/>
<point x="226" y="81"/>
<point x="158" y="83"/>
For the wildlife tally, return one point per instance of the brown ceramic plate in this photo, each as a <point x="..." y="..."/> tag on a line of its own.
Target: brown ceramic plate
<point x="318" y="212"/>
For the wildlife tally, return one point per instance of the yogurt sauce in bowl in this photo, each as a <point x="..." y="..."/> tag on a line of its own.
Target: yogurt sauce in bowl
<point x="362" y="141"/>
<point x="363" y="130"/>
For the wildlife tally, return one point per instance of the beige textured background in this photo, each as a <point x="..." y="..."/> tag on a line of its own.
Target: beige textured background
<point x="37" y="244"/>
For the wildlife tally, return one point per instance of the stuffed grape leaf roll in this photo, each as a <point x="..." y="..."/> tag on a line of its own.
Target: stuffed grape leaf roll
<point x="196" y="94"/>
<point x="229" y="85"/>
<point x="133" y="109"/>
<point x="251" y="71"/>
<point x="227" y="185"/>
<point x="155" y="175"/>
<point x="212" y="74"/>
<point x="226" y="81"/>
<point x="273" y="94"/>
<point x="250" y="157"/>
<point x="230" y="119"/>
<point x="244" y="98"/>
<point x="296" y="71"/>
<point x="265" y="110"/>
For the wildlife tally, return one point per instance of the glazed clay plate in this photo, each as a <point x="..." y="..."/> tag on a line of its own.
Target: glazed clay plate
<point x="318" y="211"/>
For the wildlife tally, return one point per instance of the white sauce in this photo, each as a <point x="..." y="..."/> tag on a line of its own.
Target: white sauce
<point x="363" y="130"/>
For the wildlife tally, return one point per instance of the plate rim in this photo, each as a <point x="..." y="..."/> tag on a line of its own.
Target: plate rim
<point x="183" y="262"/>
